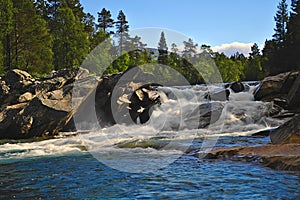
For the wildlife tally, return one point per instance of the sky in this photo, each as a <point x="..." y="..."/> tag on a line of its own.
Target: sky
<point x="226" y="25"/>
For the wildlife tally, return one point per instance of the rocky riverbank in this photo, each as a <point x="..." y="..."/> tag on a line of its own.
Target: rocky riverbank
<point x="44" y="107"/>
<point x="284" y="152"/>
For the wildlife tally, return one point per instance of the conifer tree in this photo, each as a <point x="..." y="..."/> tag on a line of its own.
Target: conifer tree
<point x="122" y="31"/>
<point x="162" y="50"/>
<point x="71" y="43"/>
<point x="293" y="36"/>
<point x="190" y="49"/>
<point x="31" y="42"/>
<point x="255" y="51"/>
<point x="6" y="27"/>
<point x="105" y="21"/>
<point x="281" y="20"/>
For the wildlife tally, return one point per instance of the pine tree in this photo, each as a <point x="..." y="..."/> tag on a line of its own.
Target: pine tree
<point x="162" y="50"/>
<point x="281" y="20"/>
<point x="275" y="51"/>
<point x="293" y="36"/>
<point x="190" y="49"/>
<point x="71" y="43"/>
<point x="6" y="27"/>
<point x="122" y="31"/>
<point x="174" y="48"/>
<point x="255" y="51"/>
<point x="105" y="21"/>
<point x="31" y="42"/>
<point x="253" y="69"/>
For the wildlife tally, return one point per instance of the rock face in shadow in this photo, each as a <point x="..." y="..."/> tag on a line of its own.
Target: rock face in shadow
<point x="44" y="107"/>
<point x="279" y="157"/>
<point x="287" y="133"/>
<point x="283" y="89"/>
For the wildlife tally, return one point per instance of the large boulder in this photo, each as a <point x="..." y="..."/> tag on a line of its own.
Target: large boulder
<point x="204" y="115"/>
<point x="70" y="99"/>
<point x="287" y="133"/>
<point x="282" y="89"/>
<point x="238" y="87"/>
<point x="294" y="95"/>
<point x="34" y="108"/>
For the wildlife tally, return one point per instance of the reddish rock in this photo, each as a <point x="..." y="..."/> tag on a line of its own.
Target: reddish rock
<point x="279" y="157"/>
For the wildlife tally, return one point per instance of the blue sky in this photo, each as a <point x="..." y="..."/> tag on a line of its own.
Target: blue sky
<point x="226" y="25"/>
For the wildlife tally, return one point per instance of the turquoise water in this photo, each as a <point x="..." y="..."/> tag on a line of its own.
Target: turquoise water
<point x="61" y="168"/>
<point x="81" y="176"/>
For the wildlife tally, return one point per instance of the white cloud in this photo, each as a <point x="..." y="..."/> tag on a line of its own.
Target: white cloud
<point x="231" y="49"/>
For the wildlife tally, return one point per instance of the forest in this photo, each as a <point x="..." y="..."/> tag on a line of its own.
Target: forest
<point x="40" y="36"/>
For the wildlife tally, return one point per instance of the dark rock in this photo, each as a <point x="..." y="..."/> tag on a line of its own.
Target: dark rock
<point x="35" y="108"/>
<point x="294" y="95"/>
<point x="222" y="95"/>
<point x="289" y="132"/>
<point x="237" y="87"/>
<point x="4" y="91"/>
<point x="264" y="133"/>
<point x="281" y="102"/>
<point x="141" y="102"/>
<point x="205" y="114"/>
<point x="17" y="79"/>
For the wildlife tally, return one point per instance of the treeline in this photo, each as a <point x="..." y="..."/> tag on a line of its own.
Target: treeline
<point x="44" y="35"/>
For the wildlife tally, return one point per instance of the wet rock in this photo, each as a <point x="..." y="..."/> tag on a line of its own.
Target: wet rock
<point x="279" y="157"/>
<point x="205" y="115"/>
<point x="142" y="100"/>
<point x="237" y="87"/>
<point x="222" y="95"/>
<point x="288" y="132"/>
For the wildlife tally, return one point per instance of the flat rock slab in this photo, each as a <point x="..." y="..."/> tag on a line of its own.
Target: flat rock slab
<point x="280" y="157"/>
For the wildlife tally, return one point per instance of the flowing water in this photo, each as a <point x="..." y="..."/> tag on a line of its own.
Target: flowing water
<point x="154" y="160"/>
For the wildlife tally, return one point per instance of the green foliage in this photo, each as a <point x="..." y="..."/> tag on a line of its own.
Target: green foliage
<point x="230" y="70"/>
<point x="30" y="40"/>
<point x="122" y="31"/>
<point x="105" y="21"/>
<point x="281" y="53"/>
<point x="70" y="41"/>
<point x="281" y="20"/>
<point x="163" y="50"/>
